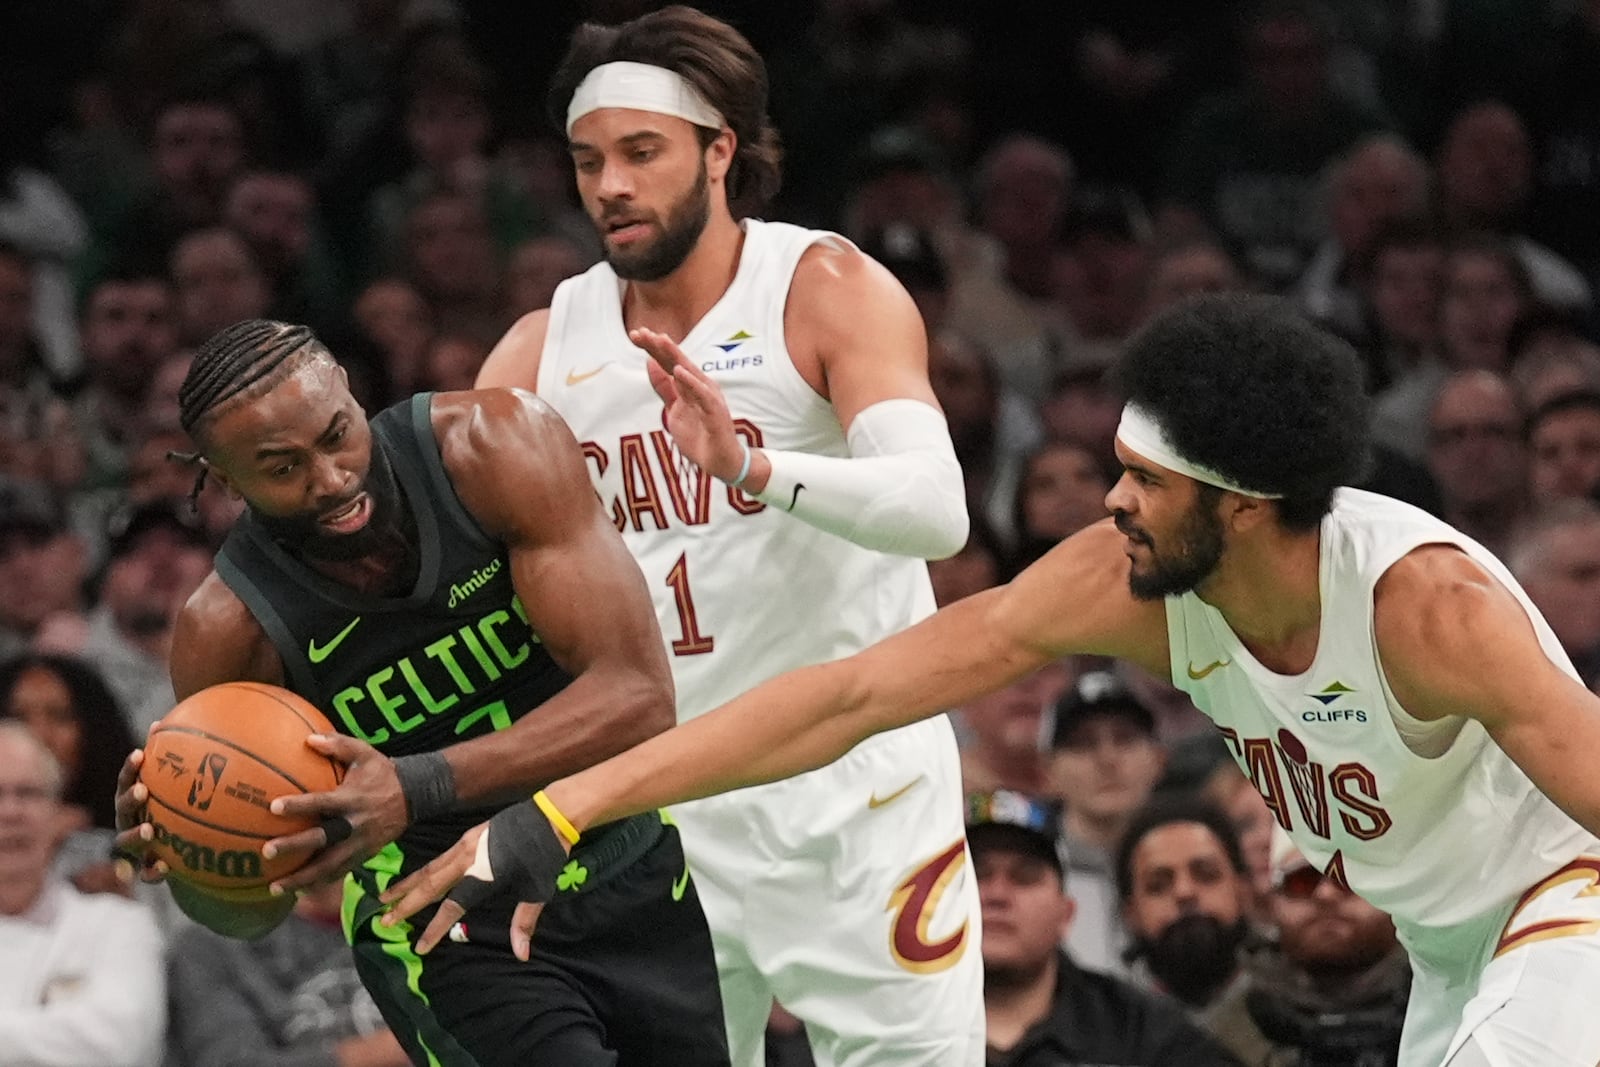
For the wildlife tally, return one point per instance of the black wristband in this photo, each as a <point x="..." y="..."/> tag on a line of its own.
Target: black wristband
<point x="526" y="858"/>
<point x="427" y="783"/>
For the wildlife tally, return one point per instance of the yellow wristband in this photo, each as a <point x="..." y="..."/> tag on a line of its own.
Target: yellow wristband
<point x="562" y="824"/>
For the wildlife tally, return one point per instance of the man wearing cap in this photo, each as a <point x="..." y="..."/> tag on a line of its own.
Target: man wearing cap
<point x="1405" y="711"/>
<point x="1107" y="760"/>
<point x="1043" y="1010"/>
<point x="42" y="567"/>
<point x="781" y="508"/>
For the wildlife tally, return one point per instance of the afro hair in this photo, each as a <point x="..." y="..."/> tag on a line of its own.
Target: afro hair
<point x="1247" y="386"/>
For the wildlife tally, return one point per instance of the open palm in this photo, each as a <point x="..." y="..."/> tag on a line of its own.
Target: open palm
<point x="696" y="414"/>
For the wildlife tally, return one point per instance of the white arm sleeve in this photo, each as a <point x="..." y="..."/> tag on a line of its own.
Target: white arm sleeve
<point x="899" y="491"/>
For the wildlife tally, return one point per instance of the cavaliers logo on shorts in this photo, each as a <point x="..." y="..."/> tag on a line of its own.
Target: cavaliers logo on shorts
<point x="1566" y="904"/>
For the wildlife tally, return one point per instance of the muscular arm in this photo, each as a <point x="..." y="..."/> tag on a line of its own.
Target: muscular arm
<point x="217" y="640"/>
<point x="518" y="470"/>
<point x="1074" y="600"/>
<point x="1454" y="641"/>
<point x="514" y="360"/>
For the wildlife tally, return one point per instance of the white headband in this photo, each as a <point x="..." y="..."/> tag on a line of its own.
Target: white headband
<point x="1143" y="434"/>
<point x="641" y="87"/>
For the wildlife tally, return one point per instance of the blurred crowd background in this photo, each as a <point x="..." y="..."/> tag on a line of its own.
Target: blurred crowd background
<point x="1421" y="176"/>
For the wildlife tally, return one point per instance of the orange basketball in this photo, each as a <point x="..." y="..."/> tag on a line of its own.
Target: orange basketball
<point x="213" y="768"/>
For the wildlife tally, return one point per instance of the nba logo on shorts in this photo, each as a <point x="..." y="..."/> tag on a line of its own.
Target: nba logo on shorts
<point x="205" y="781"/>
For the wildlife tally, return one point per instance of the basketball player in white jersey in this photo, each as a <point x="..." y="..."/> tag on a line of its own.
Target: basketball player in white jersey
<point x="1406" y="713"/>
<point x="781" y="495"/>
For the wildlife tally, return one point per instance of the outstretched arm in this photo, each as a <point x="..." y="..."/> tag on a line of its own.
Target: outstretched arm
<point x="1455" y="641"/>
<point x="1074" y="600"/>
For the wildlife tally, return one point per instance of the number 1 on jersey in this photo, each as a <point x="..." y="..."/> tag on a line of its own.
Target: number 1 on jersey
<point x="693" y="642"/>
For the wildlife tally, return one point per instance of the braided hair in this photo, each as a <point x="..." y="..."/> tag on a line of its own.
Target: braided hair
<point x="245" y="358"/>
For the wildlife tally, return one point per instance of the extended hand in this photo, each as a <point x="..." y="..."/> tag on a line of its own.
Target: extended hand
<point x="365" y="812"/>
<point x="134" y="833"/>
<point x="517" y="854"/>
<point x="697" y="414"/>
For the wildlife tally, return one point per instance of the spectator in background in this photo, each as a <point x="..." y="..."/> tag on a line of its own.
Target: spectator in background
<point x="453" y="360"/>
<point x="64" y="704"/>
<point x="39" y="445"/>
<point x="911" y="257"/>
<point x="450" y="260"/>
<point x="1556" y="559"/>
<point x="290" y="999"/>
<point x="1024" y="195"/>
<point x="128" y="329"/>
<point x="45" y="228"/>
<point x="1042" y="1007"/>
<point x="197" y="150"/>
<point x="1230" y="791"/>
<point x="1485" y="168"/>
<point x="1564" y="447"/>
<point x="1486" y="290"/>
<point x="991" y="426"/>
<point x="83" y="982"/>
<point x="1107" y="759"/>
<point x="275" y="211"/>
<point x="1100" y="271"/>
<point x="536" y="267"/>
<point x="1061" y="490"/>
<point x="392" y="317"/>
<point x="1547" y="367"/>
<point x="1247" y="164"/>
<point x="1378" y="182"/>
<point x="1401" y="289"/>
<point x="1185" y="899"/>
<point x="157" y="559"/>
<point x="1333" y="993"/>
<point x="447" y="124"/>
<point x="218" y="281"/>
<point x="1006" y="735"/>
<point x="978" y="566"/>
<point x="1477" y="457"/>
<point x="43" y="564"/>
<point x="1083" y="408"/>
<point x="1188" y="267"/>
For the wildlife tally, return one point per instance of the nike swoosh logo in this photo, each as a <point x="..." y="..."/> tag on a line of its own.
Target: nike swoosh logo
<point x="1203" y="671"/>
<point x="318" y="653"/>
<point x="876" y="802"/>
<point x="681" y="886"/>
<point x="574" y="378"/>
<point x="795" y="499"/>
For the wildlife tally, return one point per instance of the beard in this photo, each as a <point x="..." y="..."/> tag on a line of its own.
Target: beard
<point x="1197" y="547"/>
<point x="303" y="535"/>
<point x="1195" y="957"/>
<point x="680" y="230"/>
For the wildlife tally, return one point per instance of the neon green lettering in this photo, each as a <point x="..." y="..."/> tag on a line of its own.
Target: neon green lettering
<point x="342" y="702"/>
<point x="470" y="639"/>
<point x="440" y="650"/>
<point x="497" y="712"/>
<point x="388" y="704"/>
<point x="509" y="660"/>
<point x="434" y="706"/>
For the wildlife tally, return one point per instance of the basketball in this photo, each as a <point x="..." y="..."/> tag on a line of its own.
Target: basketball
<point x="213" y="767"/>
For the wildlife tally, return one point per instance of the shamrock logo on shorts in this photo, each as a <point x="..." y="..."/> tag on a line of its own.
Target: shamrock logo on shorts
<point x="572" y="876"/>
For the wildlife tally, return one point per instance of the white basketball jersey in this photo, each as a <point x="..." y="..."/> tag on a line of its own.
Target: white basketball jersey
<point x="742" y="591"/>
<point x="1432" y="841"/>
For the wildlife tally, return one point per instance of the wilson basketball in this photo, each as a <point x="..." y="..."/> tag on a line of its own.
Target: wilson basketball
<point x="213" y="768"/>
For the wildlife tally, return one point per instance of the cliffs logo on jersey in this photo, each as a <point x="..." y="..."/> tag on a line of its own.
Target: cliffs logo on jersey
<point x="654" y="484"/>
<point x="1348" y="789"/>
<point x="734" y="355"/>
<point x="1328" y="696"/>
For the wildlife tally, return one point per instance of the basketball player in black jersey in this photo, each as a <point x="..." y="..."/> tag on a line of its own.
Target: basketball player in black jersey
<point x="444" y="585"/>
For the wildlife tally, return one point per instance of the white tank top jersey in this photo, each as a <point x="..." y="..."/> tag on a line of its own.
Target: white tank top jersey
<point x="1432" y="841"/>
<point x="742" y="591"/>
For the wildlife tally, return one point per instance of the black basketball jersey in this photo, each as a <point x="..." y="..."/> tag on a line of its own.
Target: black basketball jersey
<point x="453" y="659"/>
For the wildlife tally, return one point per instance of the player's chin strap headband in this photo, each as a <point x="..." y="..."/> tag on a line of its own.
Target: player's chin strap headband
<point x="641" y="87"/>
<point x="1144" y="435"/>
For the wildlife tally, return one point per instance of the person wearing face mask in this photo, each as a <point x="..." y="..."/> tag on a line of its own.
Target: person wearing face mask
<point x="1185" y="890"/>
